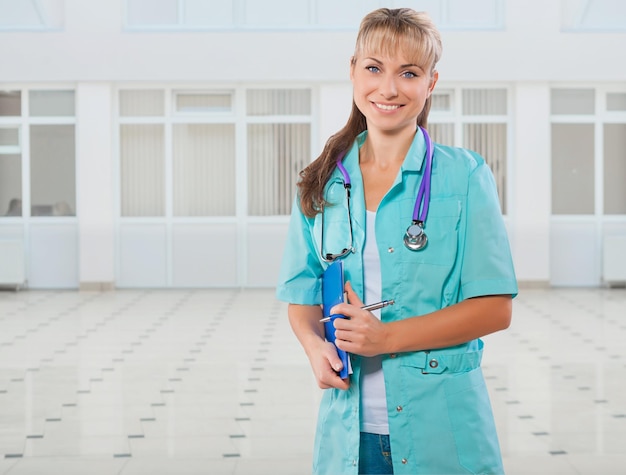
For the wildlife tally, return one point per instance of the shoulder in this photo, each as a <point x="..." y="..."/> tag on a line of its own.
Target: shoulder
<point x="457" y="157"/>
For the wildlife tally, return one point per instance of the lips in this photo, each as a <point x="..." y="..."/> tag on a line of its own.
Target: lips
<point x="387" y="107"/>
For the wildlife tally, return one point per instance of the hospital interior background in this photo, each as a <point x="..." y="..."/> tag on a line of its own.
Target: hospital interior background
<point x="149" y="151"/>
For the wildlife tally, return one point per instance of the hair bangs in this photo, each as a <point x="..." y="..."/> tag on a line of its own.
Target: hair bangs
<point x="414" y="37"/>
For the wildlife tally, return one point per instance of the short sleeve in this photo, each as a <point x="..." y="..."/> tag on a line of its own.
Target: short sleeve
<point x="487" y="267"/>
<point x="299" y="278"/>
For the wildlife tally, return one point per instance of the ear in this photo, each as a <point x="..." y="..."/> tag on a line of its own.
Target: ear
<point x="352" y="61"/>
<point x="433" y="81"/>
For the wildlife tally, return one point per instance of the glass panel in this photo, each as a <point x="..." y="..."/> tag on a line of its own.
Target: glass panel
<point x="10" y="103"/>
<point x="18" y="14"/>
<point x="209" y="13"/>
<point x="615" y="168"/>
<point x="277" y="13"/>
<point x="477" y="13"/>
<point x="142" y="153"/>
<point x="204" y="170"/>
<point x="152" y="12"/>
<point x="346" y="13"/>
<point x="601" y="15"/>
<point x="573" y="101"/>
<point x="572" y="169"/>
<point x="276" y="154"/>
<point x="616" y="101"/>
<point x="52" y="170"/>
<point x="204" y="102"/>
<point x="279" y="102"/>
<point x="10" y="185"/>
<point x="9" y="136"/>
<point x="442" y="101"/>
<point x="484" y="102"/>
<point x="51" y="103"/>
<point x="142" y="103"/>
<point x="31" y="14"/>
<point x="442" y="133"/>
<point x="490" y="141"/>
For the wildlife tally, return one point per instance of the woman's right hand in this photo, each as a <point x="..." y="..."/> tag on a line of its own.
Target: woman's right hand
<point x="305" y="322"/>
<point x="326" y="364"/>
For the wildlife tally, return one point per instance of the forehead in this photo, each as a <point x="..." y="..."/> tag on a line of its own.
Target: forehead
<point x="389" y="44"/>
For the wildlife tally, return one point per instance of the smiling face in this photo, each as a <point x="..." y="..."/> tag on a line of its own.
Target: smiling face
<point x="393" y="68"/>
<point x="390" y="91"/>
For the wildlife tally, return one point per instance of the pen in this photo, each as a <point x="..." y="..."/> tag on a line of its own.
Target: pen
<point x="372" y="306"/>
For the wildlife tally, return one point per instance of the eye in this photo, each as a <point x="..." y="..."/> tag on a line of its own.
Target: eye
<point x="373" y="69"/>
<point x="409" y="74"/>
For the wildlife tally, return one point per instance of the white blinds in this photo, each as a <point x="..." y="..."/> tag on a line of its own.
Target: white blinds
<point x="276" y="102"/>
<point x="142" y="169"/>
<point x="489" y="140"/>
<point x="477" y="119"/>
<point x="180" y="158"/>
<point x="204" y="170"/>
<point x="276" y="154"/>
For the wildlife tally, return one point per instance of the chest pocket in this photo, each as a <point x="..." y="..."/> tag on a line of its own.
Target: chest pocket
<point x="334" y="220"/>
<point x="442" y="230"/>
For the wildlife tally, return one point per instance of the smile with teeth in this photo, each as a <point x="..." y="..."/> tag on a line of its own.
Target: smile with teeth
<point x="387" y="107"/>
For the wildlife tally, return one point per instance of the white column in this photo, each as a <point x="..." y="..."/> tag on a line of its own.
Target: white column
<point x="94" y="168"/>
<point x="531" y="169"/>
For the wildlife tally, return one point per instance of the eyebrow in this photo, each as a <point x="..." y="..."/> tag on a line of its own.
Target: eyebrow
<point x="408" y="65"/>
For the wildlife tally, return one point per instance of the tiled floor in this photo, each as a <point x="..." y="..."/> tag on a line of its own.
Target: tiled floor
<point x="213" y="382"/>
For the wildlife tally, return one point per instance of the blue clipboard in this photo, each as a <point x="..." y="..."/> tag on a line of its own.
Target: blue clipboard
<point x="333" y="294"/>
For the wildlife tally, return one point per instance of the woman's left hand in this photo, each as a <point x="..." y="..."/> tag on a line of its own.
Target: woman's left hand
<point x="361" y="332"/>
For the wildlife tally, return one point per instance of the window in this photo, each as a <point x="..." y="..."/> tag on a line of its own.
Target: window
<point x="204" y="170"/>
<point x="588" y="140"/>
<point x="301" y="14"/>
<point x="31" y="14"/>
<point x="52" y="170"/>
<point x="48" y="126"/>
<point x="10" y="103"/>
<point x="279" y="146"/>
<point x="185" y="153"/>
<point x="615" y="168"/>
<point x="142" y="169"/>
<point x="477" y="119"/>
<point x="572" y="169"/>
<point x="593" y="15"/>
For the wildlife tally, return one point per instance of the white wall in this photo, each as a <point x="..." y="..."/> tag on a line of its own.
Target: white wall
<point x="93" y="47"/>
<point x="95" y="55"/>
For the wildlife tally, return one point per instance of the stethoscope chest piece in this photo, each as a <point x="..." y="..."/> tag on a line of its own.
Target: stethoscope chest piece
<point x="415" y="238"/>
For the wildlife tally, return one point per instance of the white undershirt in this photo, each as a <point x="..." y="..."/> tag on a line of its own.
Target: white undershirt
<point x="373" y="397"/>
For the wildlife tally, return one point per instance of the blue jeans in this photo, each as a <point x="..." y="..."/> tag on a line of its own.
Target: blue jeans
<point x="375" y="455"/>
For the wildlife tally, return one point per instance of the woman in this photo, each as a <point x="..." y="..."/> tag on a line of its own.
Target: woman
<point x="416" y="400"/>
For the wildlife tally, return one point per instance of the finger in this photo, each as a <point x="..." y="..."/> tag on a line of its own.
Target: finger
<point x="353" y="298"/>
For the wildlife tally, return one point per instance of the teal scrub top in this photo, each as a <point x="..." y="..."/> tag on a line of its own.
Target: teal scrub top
<point x="440" y="418"/>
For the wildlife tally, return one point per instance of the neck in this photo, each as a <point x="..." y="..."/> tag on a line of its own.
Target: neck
<point x="384" y="149"/>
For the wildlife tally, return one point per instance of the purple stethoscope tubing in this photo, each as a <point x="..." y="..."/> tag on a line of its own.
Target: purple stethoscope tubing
<point x="423" y="195"/>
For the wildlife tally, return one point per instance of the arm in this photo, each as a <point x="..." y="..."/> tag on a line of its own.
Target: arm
<point x="365" y="335"/>
<point x="306" y="325"/>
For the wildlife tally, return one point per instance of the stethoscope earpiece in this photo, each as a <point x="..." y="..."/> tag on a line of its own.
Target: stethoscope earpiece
<point x="415" y="238"/>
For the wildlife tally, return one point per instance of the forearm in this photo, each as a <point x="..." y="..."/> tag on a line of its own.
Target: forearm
<point x="460" y="323"/>
<point x="305" y="323"/>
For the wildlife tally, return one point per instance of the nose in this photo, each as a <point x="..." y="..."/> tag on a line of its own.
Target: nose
<point x="387" y="86"/>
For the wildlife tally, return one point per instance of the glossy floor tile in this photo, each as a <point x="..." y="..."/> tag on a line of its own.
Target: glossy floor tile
<point x="213" y="382"/>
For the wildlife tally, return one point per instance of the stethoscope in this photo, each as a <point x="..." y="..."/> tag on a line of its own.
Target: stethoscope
<point x="415" y="238"/>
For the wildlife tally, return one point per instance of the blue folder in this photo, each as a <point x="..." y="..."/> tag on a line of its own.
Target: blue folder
<point x="333" y="294"/>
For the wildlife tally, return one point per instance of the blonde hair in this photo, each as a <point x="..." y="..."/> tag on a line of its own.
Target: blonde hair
<point x="384" y="31"/>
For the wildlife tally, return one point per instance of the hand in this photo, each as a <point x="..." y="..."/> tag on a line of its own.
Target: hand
<point x="326" y="364"/>
<point x="361" y="333"/>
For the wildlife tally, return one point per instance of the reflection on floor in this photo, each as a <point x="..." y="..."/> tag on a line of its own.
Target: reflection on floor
<point x="213" y="382"/>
